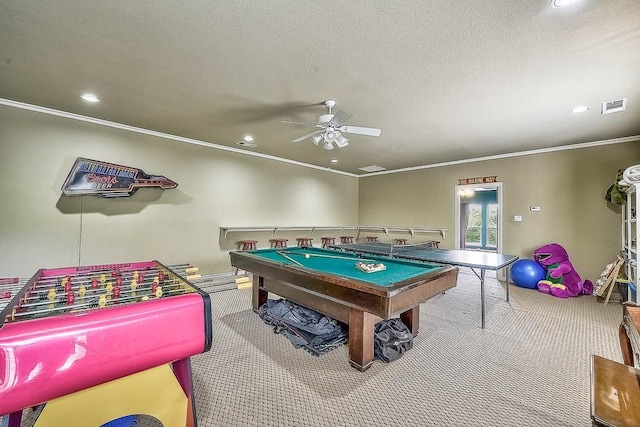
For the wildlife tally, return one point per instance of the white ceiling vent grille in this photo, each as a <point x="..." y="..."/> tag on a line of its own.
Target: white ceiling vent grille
<point x="614" y="106"/>
<point x="373" y="168"/>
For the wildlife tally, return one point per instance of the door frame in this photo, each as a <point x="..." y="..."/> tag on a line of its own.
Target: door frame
<point x="456" y="197"/>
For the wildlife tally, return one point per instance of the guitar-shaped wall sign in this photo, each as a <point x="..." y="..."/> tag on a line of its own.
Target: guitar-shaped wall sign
<point x="109" y="180"/>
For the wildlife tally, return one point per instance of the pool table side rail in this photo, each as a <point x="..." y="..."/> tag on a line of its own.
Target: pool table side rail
<point x="333" y="295"/>
<point x="254" y="262"/>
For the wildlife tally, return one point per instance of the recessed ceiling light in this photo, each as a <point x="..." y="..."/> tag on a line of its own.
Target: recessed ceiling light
<point x="247" y="144"/>
<point x="580" y="109"/>
<point x="562" y="3"/>
<point x="372" y="168"/>
<point x="248" y="138"/>
<point x="89" y="97"/>
<point x="334" y="160"/>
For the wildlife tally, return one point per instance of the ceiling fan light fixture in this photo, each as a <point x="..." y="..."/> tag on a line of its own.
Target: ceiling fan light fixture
<point x="316" y="139"/>
<point x="330" y="135"/>
<point x="341" y="141"/>
<point x="328" y="145"/>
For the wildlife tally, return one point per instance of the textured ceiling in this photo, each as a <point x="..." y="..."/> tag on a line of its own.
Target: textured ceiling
<point x="444" y="80"/>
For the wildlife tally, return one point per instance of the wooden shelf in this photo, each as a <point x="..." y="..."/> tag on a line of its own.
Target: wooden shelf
<point x="385" y="229"/>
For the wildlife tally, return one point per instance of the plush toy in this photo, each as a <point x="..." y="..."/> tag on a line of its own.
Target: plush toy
<point x="562" y="280"/>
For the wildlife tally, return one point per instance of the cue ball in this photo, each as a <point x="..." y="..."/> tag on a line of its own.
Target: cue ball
<point x="307" y="256"/>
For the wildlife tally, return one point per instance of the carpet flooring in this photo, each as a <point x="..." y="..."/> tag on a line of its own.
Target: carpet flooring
<point x="529" y="367"/>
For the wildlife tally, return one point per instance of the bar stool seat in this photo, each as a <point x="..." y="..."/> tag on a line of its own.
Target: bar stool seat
<point x="372" y="238"/>
<point x="304" y="242"/>
<point x="247" y="245"/>
<point x="399" y="241"/>
<point x="278" y="243"/>
<point x="326" y="241"/>
<point x="433" y="244"/>
<point x="346" y="239"/>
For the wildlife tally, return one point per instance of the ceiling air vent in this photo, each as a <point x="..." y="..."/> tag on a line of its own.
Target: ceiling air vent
<point x="614" y="106"/>
<point x="373" y="168"/>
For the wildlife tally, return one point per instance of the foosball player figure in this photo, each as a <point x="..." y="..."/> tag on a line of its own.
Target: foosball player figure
<point x="102" y="301"/>
<point x="119" y="281"/>
<point x="51" y="296"/>
<point x="109" y="288"/>
<point x="82" y="291"/>
<point x="134" y="286"/>
<point x="65" y="282"/>
<point x="94" y="285"/>
<point x="103" y="278"/>
<point x="71" y="298"/>
<point x="116" y="293"/>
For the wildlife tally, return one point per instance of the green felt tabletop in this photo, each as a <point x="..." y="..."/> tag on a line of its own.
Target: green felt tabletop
<point x="344" y="266"/>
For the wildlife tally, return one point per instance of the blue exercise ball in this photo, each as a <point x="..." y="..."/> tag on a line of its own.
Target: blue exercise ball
<point x="526" y="273"/>
<point x="126" y="421"/>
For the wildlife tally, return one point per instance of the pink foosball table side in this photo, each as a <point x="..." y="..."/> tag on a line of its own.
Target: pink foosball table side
<point x="86" y="336"/>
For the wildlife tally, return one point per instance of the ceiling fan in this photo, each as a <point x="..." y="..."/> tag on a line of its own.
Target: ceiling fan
<point x="332" y="126"/>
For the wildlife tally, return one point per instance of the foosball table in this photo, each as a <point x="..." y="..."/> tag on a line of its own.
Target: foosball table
<point x="94" y="342"/>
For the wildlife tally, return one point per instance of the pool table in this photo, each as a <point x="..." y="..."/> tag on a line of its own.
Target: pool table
<point x="328" y="282"/>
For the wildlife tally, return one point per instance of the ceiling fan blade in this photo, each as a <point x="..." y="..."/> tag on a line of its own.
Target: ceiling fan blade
<point x="307" y="136"/>
<point x="299" y="123"/>
<point x="361" y="131"/>
<point x="340" y="117"/>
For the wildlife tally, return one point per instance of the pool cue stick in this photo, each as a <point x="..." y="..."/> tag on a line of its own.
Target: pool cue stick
<point x="332" y="256"/>
<point x="289" y="258"/>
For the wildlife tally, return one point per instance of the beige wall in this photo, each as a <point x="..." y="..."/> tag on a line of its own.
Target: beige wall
<point x="568" y="185"/>
<point x="40" y="228"/>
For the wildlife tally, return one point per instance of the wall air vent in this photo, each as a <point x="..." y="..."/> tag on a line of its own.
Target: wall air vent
<point x="614" y="106"/>
<point x="373" y="168"/>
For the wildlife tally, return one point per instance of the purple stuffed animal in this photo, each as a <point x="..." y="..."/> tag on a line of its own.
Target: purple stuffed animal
<point x="562" y="280"/>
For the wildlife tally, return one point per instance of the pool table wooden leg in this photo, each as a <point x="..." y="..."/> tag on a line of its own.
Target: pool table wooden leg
<point x="411" y="319"/>
<point x="259" y="296"/>
<point x="361" y="337"/>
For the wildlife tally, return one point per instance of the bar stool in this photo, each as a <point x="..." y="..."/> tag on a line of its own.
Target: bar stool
<point x="433" y="244"/>
<point x="346" y="239"/>
<point x="278" y="243"/>
<point x="399" y="241"/>
<point x="246" y="245"/>
<point x="372" y="238"/>
<point x="304" y="242"/>
<point x="326" y="241"/>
